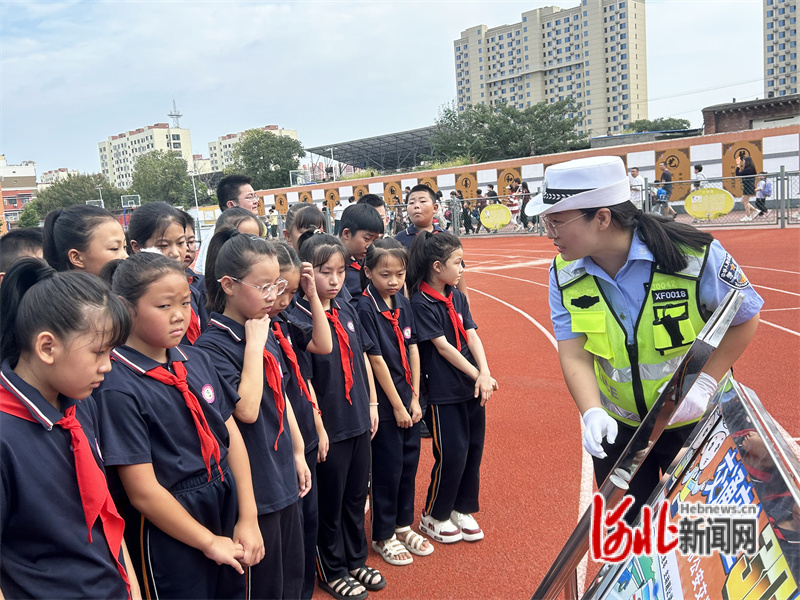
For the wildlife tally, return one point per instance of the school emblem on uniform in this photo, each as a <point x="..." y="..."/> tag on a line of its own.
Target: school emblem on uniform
<point x="208" y="393"/>
<point x="461" y="318"/>
<point x="731" y="273"/>
<point x="407" y="333"/>
<point x="351" y="327"/>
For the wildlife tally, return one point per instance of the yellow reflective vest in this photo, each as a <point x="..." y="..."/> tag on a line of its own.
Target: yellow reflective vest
<point x="630" y="375"/>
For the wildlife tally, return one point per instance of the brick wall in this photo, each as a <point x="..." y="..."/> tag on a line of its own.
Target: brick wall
<point x="731" y="117"/>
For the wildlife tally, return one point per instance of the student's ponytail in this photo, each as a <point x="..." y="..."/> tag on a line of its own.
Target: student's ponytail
<point x="70" y="229"/>
<point x="426" y="249"/>
<point x="215" y="296"/>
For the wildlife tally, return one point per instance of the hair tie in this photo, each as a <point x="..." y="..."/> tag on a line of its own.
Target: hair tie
<point x="318" y="230"/>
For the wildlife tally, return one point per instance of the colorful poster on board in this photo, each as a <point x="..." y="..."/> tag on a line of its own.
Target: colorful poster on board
<point x="708" y="203"/>
<point x="495" y="216"/>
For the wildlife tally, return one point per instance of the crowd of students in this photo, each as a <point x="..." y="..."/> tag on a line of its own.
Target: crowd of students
<point x="217" y="434"/>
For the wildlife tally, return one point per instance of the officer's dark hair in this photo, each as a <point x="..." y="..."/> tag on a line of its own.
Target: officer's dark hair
<point x="18" y="243"/>
<point x="235" y="216"/>
<point x="228" y="189"/>
<point x="68" y="229"/>
<point x="303" y="216"/>
<point x="372" y="200"/>
<point x="317" y="248"/>
<point x="130" y="278"/>
<point x="233" y="254"/>
<point x="378" y="252"/>
<point x="361" y="217"/>
<point x="426" y="249"/>
<point x="664" y="237"/>
<point x="151" y="221"/>
<point x="424" y="188"/>
<point x="287" y="257"/>
<point x="30" y="292"/>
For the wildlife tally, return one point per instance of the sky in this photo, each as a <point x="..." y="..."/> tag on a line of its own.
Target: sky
<point x="74" y="73"/>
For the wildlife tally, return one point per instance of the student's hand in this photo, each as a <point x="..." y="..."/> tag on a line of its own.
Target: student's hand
<point x="416" y="411"/>
<point x="303" y="474"/>
<point x="257" y="330"/>
<point x="307" y="280"/>
<point x="224" y="551"/>
<point x="402" y="417"/>
<point x="373" y="421"/>
<point x="324" y="445"/>
<point x="485" y="386"/>
<point x="248" y="535"/>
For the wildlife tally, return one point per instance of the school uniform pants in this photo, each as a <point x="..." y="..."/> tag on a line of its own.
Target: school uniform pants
<point x="649" y="473"/>
<point x="395" y="456"/>
<point x="310" y="519"/>
<point x="343" y="481"/>
<point x="280" y="574"/>
<point x="458" y="432"/>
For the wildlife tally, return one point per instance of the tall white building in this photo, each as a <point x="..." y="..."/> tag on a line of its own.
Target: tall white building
<point x="780" y="48"/>
<point x="220" y="152"/>
<point x="118" y="154"/>
<point x="595" y="53"/>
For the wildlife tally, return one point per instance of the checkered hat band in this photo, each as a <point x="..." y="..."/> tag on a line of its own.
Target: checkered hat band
<point x="552" y="196"/>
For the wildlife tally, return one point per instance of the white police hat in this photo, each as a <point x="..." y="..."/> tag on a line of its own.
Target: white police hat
<point x="592" y="182"/>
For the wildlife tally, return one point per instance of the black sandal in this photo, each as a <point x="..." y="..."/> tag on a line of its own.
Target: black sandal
<point x="343" y="590"/>
<point x="366" y="576"/>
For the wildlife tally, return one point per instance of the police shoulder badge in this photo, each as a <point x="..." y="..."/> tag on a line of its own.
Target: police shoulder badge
<point x="731" y="273"/>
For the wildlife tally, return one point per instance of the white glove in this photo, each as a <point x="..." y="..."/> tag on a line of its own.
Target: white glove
<point x="598" y="426"/>
<point x="696" y="401"/>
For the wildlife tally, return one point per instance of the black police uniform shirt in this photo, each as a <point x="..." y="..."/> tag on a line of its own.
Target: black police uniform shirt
<point x="342" y="420"/>
<point x="445" y="384"/>
<point x="299" y="336"/>
<point x="273" y="471"/>
<point x="380" y="331"/>
<point x="145" y="421"/>
<point x="43" y="538"/>
<point x="352" y="280"/>
<point x="406" y="237"/>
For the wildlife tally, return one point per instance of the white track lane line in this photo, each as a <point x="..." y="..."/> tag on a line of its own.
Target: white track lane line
<point x="509" y="277"/>
<point x="587" y="468"/>
<point x="763" y="287"/>
<point x="792" y="331"/>
<point x="769" y="269"/>
<point x="780" y="309"/>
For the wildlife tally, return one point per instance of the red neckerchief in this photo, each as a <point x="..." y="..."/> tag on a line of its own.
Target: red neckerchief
<point x="355" y="264"/>
<point x="194" y="328"/>
<point x="273" y="372"/>
<point x="458" y="326"/>
<point x="394" y="319"/>
<point x="344" y="350"/>
<point x="208" y="443"/>
<point x="92" y="486"/>
<point x="291" y="358"/>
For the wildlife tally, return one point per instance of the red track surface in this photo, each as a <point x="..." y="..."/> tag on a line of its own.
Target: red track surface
<point x="531" y="470"/>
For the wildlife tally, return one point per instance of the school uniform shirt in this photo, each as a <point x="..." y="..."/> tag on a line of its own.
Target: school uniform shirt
<point x="342" y="419"/>
<point x="145" y="421"/>
<point x="626" y="292"/>
<point x="352" y="280"/>
<point x="197" y="287"/>
<point x="406" y="237"/>
<point x="445" y="384"/>
<point x="274" y="476"/>
<point x="380" y="331"/>
<point x="43" y="537"/>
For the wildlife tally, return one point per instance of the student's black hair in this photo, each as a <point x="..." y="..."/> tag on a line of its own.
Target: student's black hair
<point x="378" y="251"/>
<point x="664" y="237"/>
<point x="361" y="217"/>
<point x="426" y="249"/>
<point x="317" y="248"/>
<point x="35" y="298"/>
<point x="234" y="216"/>
<point x="303" y="216"/>
<point x="372" y="200"/>
<point x="228" y="189"/>
<point x="19" y="243"/>
<point x="424" y="188"/>
<point x="287" y="257"/>
<point x="131" y="278"/>
<point x="698" y="168"/>
<point x="151" y="221"/>
<point x="68" y="229"/>
<point x="233" y="254"/>
<point x="188" y="220"/>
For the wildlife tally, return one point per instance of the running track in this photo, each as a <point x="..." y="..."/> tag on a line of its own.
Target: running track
<point x="534" y="466"/>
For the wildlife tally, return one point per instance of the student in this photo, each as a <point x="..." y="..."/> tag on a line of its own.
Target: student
<point x="273" y="223"/>
<point x="389" y="323"/>
<point x="242" y="220"/>
<point x="52" y="360"/>
<point x="18" y="244"/>
<point x="300" y="218"/>
<point x="346" y="396"/>
<point x="763" y="191"/>
<point x="162" y="227"/>
<point x="610" y="254"/>
<point x="458" y="384"/>
<point x="196" y="283"/>
<point x="361" y="225"/>
<point x="243" y="282"/>
<point x="293" y="336"/>
<point x="180" y="466"/>
<point x="378" y="204"/>
<point x="82" y="237"/>
<point x="700" y="179"/>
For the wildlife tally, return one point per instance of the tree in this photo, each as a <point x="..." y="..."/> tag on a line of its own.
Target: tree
<point x="501" y="132"/>
<point x="29" y="216"/>
<point x="267" y="158"/>
<point x="77" y="189"/>
<point x="162" y="176"/>
<point x="660" y="124"/>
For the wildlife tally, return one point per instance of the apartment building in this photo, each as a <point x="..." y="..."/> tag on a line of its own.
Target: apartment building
<point x="780" y="48"/>
<point x="220" y="152"/>
<point x="18" y="185"/>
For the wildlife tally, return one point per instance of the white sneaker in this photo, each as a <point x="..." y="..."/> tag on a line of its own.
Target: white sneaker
<point x="466" y="523"/>
<point x="444" y="532"/>
<point x="745" y="218"/>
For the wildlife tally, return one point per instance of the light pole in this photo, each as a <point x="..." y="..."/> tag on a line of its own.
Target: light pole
<point x="333" y="169"/>
<point x="197" y="208"/>
<point x="100" y="189"/>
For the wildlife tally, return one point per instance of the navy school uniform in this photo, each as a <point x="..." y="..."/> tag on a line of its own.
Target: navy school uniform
<point x="406" y="237"/>
<point x="145" y="421"/>
<point x="279" y="575"/>
<point x="395" y="450"/>
<point x="43" y="538"/>
<point x="197" y="286"/>
<point x="455" y="417"/>
<point x="352" y="280"/>
<point x="344" y="476"/>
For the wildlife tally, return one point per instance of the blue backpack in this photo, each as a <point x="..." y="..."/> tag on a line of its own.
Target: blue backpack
<point x="767" y="188"/>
